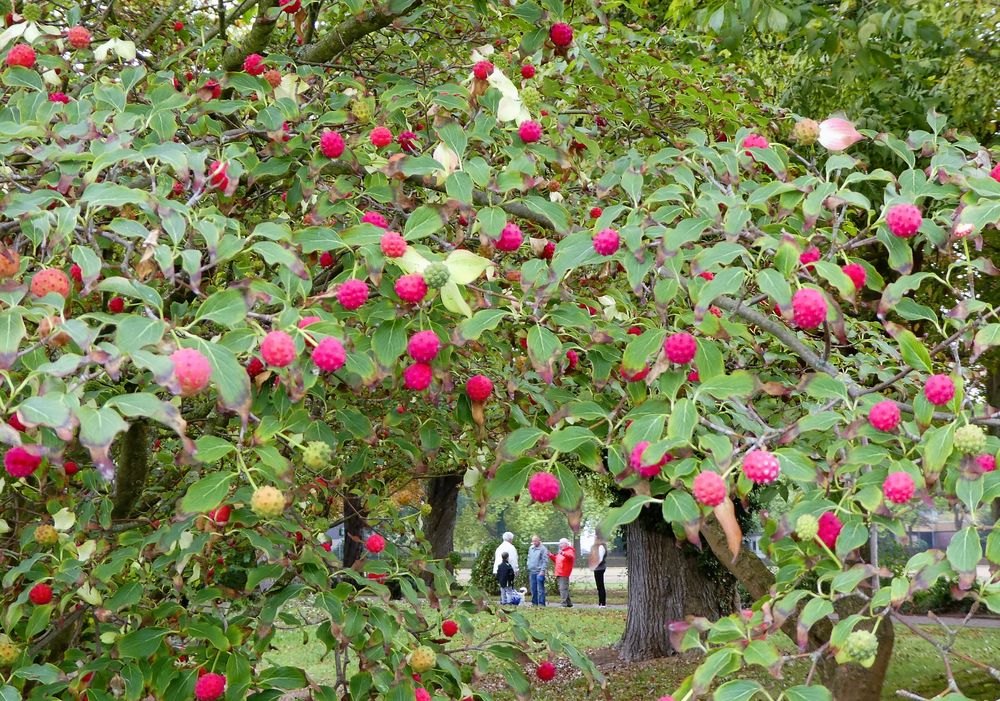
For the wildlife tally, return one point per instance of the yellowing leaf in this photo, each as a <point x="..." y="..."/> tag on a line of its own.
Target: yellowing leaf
<point x="465" y="266"/>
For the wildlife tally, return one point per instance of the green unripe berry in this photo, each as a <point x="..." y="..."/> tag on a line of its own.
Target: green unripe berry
<point x="807" y="527"/>
<point x="970" y="439"/>
<point x="805" y="132"/>
<point x="31" y="12"/>
<point x="436" y="275"/>
<point x="114" y="32"/>
<point x="8" y="654"/>
<point x="531" y="98"/>
<point x="363" y="109"/>
<point x="316" y="455"/>
<point x="861" y="647"/>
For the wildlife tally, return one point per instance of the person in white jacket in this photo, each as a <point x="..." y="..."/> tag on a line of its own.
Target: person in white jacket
<point x="507" y="546"/>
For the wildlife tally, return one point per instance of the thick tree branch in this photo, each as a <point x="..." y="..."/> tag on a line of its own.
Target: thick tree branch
<point x="255" y="41"/>
<point x="133" y="469"/>
<point x="339" y="38"/>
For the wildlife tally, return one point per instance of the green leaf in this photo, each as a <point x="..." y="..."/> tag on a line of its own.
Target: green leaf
<point x="98" y="427"/>
<point x="552" y="211"/>
<point x="229" y="377"/>
<point x="687" y="231"/>
<point x="737" y="690"/>
<point x="808" y="693"/>
<point x="570" y="438"/>
<point x="142" y="643"/>
<point x="641" y="348"/>
<point x="739" y="384"/>
<point x="683" y="419"/>
<point x="423" y="222"/>
<point x="465" y="266"/>
<point x="719" y="663"/>
<point x="21" y="77"/>
<point x="211" y="449"/>
<point x="680" y="507"/>
<point x="44" y="673"/>
<point x="965" y="551"/>
<point x="913" y="351"/>
<point x="483" y="320"/>
<point x="389" y="342"/>
<point x="626" y="513"/>
<point x="937" y="446"/>
<point x="519" y="441"/>
<point x="12" y="332"/>
<point x="544" y="350"/>
<point x="49" y="410"/>
<point x="207" y="493"/>
<point x="225" y="307"/>
<point x="509" y="479"/>
<point x="135" y="332"/>
<point x="111" y="195"/>
<point x="492" y="220"/>
<point x="762" y="653"/>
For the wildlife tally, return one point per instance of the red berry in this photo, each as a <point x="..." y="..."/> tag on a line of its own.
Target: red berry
<point x="449" y="627"/>
<point x="421" y="694"/>
<point x="254" y="64"/>
<point x="178" y="26"/>
<point x="527" y="71"/>
<point x="290" y="6"/>
<point x="411" y="288"/>
<point x="21" y="55"/>
<point x="884" y="415"/>
<point x="898" y="487"/>
<point x="479" y="388"/>
<point x="191" y="369"/>
<point x="278" y="349"/>
<point x="50" y="280"/>
<point x="15" y="423"/>
<point x="59" y="97"/>
<point x="680" y="348"/>
<point x="210" y="686"/>
<point x="809" y="256"/>
<point x="424" y="346"/>
<point x="40" y="594"/>
<point x="548" y="251"/>
<point x="214" y="88"/>
<point x="709" y="488"/>
<point x="483" y="70"/>
<point x="995" y="173"/>
<point x="829" y="528"/>
<point x="987" y="463"/>
<point x="254" y="367"/>
<point x="393" y="245"/>
<point x="407" y="141"/>
<point x="70" y="468"/>
<point x="857" y="273"/>
<point x="217" y="175"/>
<point x="606" y="242"/>
<point x="375" y="219"/>
<point x="511" y="238"/>
<point x="561" y="34"/>
<point x="808" y="308"/>
<point x="634" y="331"/>
<point x="707" y="276"/>
<point x="78" y="37"/>
<point x="939" y="389"/>
<point x="76" y="272"/>
<point x="754" y="141"/>
<point x="273" y="77"/>
<point x="418" y="377"/>
<point x="546" y="671"/>
<point x="761" y="467"/>
<point x="693" y="376"/>
<point x="380" y="137"/>
<point x="572" y="358"/>
<point x="116" y="305"/>
<point x="352" y="293"/>
<point x="326" y="259"/>
<point x="903" y="220"/>
<point x="637" y="376"/>
<point x="596" y="212"/>
<point x="647" y="470"/>
<point x="221" y="515"/>
<point x="543" y="487"/>
<point x="331" y="144"/>
<point x="529" y="131"/>
<point x="20" y="463"/>
<point x="329" y="355"/>
<point x="375" y="543"/>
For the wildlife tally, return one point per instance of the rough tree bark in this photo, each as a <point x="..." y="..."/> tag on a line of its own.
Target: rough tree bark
<point x="133" y="468"/>
<point x="667" y="581"/>
<point x="354" y="527"/>
<point x="439" y="526"/>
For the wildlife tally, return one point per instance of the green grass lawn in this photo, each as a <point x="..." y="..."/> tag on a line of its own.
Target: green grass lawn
<point x="915" y="665"/>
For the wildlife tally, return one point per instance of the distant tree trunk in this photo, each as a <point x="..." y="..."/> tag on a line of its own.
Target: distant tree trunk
<point x="439" y="526"/>
<point x="667" y="581"/>
<point x="354" y="527"/>
<point x="133" y="468"/>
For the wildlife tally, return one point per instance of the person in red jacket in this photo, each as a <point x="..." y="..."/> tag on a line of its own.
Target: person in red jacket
<point x="564" y="568"/>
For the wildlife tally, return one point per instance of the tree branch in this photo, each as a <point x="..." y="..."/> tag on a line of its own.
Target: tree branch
<point x="256" y="39"/>
<point x="349" y="31"/>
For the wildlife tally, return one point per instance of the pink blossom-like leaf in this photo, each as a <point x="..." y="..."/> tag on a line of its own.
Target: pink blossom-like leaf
<point x="837" y="134"/>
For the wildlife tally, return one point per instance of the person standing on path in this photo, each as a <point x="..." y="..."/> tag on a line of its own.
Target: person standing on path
<point x="538" y="562"/>
<point x="599" y="563"/>
<point x="505" y="578"/>
<point x="507" y="546"/>
<point x="563" y="569"/>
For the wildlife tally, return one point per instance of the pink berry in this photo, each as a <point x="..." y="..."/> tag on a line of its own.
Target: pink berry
<point x="809" y="256"/>
<point x="116" y="305"/>
<point x="572" y="358"/>
<point x="21" y="55"/>
<point x="326" y="259"/>
<point x="548" y="251"/>
<point x="393" y="245"/>
<point x="375" y="219"/>
<point x="710" y="488"/>
<point x="939" y="389"/>
<point x="331" y="144"/>
<point x="407" y="141"/>
<point x="411" y="288"/>
<point x="210" y="687"/>
<point x="449" y="627"/>
<point x="483" y="70"/>
<point x="898" y="487"/>
<point x="20" y="463"/>
<point x="329" y="355"/>
<point x="527" y="71"/>
<point x="761" y="467"/>
<point x="995" y="173"/>
<point x="857" y="273"/>
<point x="693" y="376"/>
<point x="424" y="346"/>
<point x="637" y="376"/>
<point x="78" y="37"/>
<point x="380" y="137"/>
<point x="606" y="242"/>
<point x="59" y="97"/>
<point x="543" y="487"/>
<point x="40" y="594"/>
<point x="418" y="377"/>
<point x="596" y="212"/>
<point x="561" y="34"/>
<point x="290" y="6"/>
<point x="254" y="64"/>
<point x="884" y="415"/>
<point x="808" y="308"/>
<point x="192" y="370"/>
<point x="511" y="238"/>
<point x="754" y="141"/>
<point x="903" y="220"/>
<point x="546" y="671"/>
<point x="278" y="349"/>
<point x="375" y="543"/>
<point x="706" y="275"/>
<point x="254" y="367"/>
<point x="308" y="321"/>
<point x="479" y="388"/>
<point x="680" y="348"/>
<point x="76" y="272"/>
<point x="217" y="175"/>
<point x="649" y="470"/>
<point x="529" y="131"/>
<point x="352" y="293"/>
<point x="421" y="694"/>
<point x="986" y="462"/>
<point x="829" y="528"/>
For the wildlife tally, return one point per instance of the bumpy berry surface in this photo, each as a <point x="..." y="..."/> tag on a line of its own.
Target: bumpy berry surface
<point x="830" y="527"/>
<point x="529" y="131"/>
<point x="316" y="455"/>
<point x="277" y="349"/>
<point x="254" y="64"/>
<point x="806" y="527"/>
<point x="19" y="462"/>
<point x="939" y="389"/>
<point x="267" y="502"/>
<point x="857" y="273"/>
<point x="995" y="173"/>
<point x="986" y="462"/>
<point x="380" y="137"/>
<point x="375" y="543"/>
<point x="418" y="377"/>
<point x="572" y="358"/>
<point x="8" y="654"/>
<point x="680" y="348"/>
<point x="273" y="78"/>
<point x="805" y="132"/>
<point x="423" y="659"/>
<point x="421" y="694"/>
<point x="449" y="627"/>
<point x="479" y="388"/>
<point x="709" y="488"/>
<point x="192" y="370"/>
<point x="78" y="37"/>
<point x="393" y="245"/>
<point x="754" y="141"/>
<point x="561" y="34"/>
<point x="546" y="671"/>
<point x="898" y="487"/>
<point x="21" y="55"/>
<point x="527" y="71"/>
<point x="809" y="256"/>
<point x="510" y="238"/>
<point x="411" y="288"/>
<point x="761" y="467"/>
<point x="329" y="355"/>
<point x="375" y="219"/>
<point x="50" y="280"/>
<point x="861" y="646"/>
<point x="808" y="308"/>
<point x="10" y="262"/>
<point x="903" y="220"/>
<point x="352" y="293"/>
<point x="331" y="144"/>
<point x="647" y="470"/>
<point x="210" y="687"/>
<point x="543" y="487"/>
<point x="884" y="415"/>
<point x="116" y="305"/>
<point x="436" y="275"/>
<point x="483" y="70"/>
<point x="606" y="242"/>
<point x="46" y="535"/>
<point x="424" y="346"/>
<point x="970" y="439"/>
<point x="40" y="594"/>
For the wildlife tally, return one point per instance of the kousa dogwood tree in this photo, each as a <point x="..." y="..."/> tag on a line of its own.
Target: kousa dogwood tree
<point x="247" y="290"/>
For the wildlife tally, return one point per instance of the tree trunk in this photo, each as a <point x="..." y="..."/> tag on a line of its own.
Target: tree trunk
<point x="667" y="581"/>
<point x="354" y="527"/>
<point x="133" y="468"/>
<point x="439" y="526"/>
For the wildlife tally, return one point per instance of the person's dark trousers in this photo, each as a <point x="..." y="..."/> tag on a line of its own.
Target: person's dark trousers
<point x="564" y="591"/>
<point x="602" y="594"/>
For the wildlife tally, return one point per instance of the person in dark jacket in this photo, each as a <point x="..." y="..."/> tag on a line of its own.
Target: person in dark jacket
<point x="505" y="578"/>
<point x="599" y="563"/>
